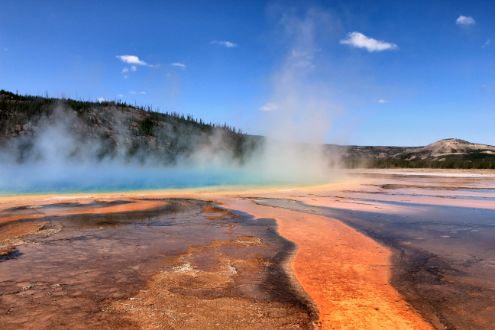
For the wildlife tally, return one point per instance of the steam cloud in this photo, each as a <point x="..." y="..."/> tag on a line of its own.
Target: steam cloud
<point x="299" y="109"/>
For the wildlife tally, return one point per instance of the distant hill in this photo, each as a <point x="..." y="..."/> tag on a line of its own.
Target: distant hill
<point x="447" y="153"/>
<point x="111" y="130"/>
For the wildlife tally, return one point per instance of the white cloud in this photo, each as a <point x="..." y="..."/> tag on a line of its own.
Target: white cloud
<point x="224" y="43"/>
<point x="179" y="65"/>
<point x="382" y="101"/>
<point x="133" y="68"/>
<point x="268" y="107"/>
<point x="131" y="59"/>
<point x="101" y="99"/>
<point x="137" y="92"/>
<point x="465" y="20"/>
<point x="359" y="40"/>
<point x="120" y="96"/>
<point x="487" y="43"/>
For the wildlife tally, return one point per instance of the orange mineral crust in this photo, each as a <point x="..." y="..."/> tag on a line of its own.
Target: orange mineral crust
<point x="346" y="274"/>
<point x="35" y="212"/>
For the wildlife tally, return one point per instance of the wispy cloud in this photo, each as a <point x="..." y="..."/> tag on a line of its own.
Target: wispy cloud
<point x="134" y="62"/>
<point x="359" y="40"/>
<point x="224" y="43"/>
<point x="137" y="92"/>
<point x="382" y="101"/>
<point x="268" y="107"/>
<point x="301" y="58"/>
<point x="465" y="21"/>
<point x="487" y="43"/>
<point x="179" y="65"/>
<point x="131" y="59"/>
<point x="125" y="72"/>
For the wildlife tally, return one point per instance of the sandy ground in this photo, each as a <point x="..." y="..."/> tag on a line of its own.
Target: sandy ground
<point x="346" y="274"/>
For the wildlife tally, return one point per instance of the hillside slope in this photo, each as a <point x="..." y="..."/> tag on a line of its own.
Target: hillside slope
<point x="108" y="130"/>
<point x="33" y="127"/>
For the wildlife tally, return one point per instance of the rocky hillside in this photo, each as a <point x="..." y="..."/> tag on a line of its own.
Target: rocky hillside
<point x="452" y="147"/>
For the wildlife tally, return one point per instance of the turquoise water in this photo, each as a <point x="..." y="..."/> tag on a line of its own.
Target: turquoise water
<point x="22" y="180"/>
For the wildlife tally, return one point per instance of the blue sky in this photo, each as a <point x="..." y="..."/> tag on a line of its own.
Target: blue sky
<point x="388" y="72"/>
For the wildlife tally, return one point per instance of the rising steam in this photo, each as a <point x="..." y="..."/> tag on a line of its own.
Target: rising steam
<point x="299" y="110"/>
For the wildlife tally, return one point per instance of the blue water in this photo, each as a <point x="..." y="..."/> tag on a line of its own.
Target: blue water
<point x="23" y="180"/>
